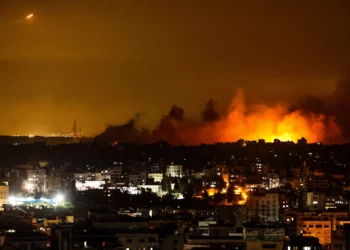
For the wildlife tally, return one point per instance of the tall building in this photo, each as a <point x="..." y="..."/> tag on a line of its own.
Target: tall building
<point x="315" y="201"/>
<point x="36" y="181"/>
<point x="117" y="174"/>
<point x="341" y="237"/>
<point x="54" y="183"/>
<point x="174" y="171"/>
<point x="263" y="207"/>
<point x="302" y="172"/>
<point x="260" y="168"/>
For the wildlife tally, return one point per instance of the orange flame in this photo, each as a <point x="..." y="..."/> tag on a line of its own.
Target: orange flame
<point x="241" y="191"/>
<point x="266" y="122"/>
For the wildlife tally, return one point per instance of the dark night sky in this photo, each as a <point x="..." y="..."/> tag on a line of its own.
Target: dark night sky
<point x="102" y="61"/>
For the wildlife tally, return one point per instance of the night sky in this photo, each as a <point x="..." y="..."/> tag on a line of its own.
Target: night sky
<point x="100" y="61"/>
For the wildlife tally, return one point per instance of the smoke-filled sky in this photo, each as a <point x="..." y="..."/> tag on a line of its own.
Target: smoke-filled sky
<point x="102" y="61"/>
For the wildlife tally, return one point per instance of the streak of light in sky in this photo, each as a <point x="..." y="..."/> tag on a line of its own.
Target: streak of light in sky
<point x="20" y="20"/>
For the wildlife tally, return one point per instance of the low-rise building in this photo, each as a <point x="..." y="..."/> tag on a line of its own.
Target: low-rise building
<point x="265" y="238"/>
<point x="157" y="189"/>
<point x="157" y="177"/>
<point x="317" y="227"/>
<point x="203" y="227"/>
<point x="138" y="239"/>
<point x="303" y="243"/>
<point x="82" y="186"/>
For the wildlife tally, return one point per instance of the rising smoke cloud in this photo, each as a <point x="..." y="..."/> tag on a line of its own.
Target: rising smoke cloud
<point x="318" y="119"/>
<point x="124" y="133"/>
<point x="335" y="105"/>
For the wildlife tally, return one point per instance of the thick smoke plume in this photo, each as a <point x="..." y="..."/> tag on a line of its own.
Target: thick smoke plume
<point x="318" y="119"/>
<point x="124" y="133"/>
<point x="210" y="114"/>
<point x="336" y="105"/>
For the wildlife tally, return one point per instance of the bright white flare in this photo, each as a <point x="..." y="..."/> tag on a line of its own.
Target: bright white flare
<point x="59" y="198"/>
<point x="30" y="16"/>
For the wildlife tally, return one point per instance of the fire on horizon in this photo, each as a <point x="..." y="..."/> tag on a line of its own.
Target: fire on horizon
<point x="239" y="121"/>
<point x="102" y="63"/>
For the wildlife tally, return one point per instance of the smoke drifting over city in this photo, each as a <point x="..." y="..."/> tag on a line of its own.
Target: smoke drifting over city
<point x="318" y="119"/>
<point x="336" y="105"/>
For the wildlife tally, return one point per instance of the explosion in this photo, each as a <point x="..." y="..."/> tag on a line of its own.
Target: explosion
<point x="238" y="122"/>
<point x="250" y="123"/>
<point x="275" y="122"/>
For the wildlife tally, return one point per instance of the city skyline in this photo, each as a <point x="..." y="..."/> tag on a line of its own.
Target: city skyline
<point x="180" y="125"/>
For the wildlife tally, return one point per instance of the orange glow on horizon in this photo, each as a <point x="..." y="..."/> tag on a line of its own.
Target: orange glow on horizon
<point x="271" y="123"/>
<point x="265" y="122"/>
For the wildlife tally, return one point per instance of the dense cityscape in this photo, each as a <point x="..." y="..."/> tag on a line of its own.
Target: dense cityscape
<point x="242" y="195"/>
<point x="174" y="125"/>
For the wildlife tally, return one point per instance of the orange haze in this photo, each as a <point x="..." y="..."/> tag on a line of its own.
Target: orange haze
<point x="238" y="122"/>
<point x="265" y="122"/>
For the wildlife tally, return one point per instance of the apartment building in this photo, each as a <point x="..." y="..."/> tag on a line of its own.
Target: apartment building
<point x="264" y="207"/>
<point x="318" y="227"/>
<point x="174" y="171"/>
